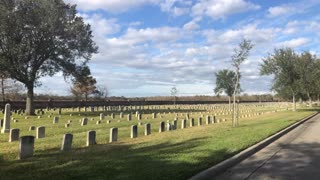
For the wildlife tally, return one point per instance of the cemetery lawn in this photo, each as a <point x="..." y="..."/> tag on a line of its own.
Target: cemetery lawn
<point x="177" y="154"/>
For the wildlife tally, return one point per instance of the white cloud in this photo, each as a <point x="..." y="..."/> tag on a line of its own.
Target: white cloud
<point x="101" y="26"/>
<point x="220" y="9"/>
<point x="192" y="25"/>
<point x="279" y="10"/>
<point x="162" y="34"/>
<point x="175" y="7"/>
<point x="293" y="43"/>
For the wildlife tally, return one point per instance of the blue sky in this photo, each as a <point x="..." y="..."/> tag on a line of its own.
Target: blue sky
<point x="148" y="46"/>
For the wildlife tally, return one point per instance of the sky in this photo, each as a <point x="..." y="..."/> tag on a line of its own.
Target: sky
<point x="146" y="47"/>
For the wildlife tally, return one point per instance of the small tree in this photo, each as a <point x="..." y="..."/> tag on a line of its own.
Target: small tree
<point x="225" y="82"/>
<point x="101" y="92"/>
<point x="174" y="92"/>
<point x="83" y="83"/>
<point x="240" y="55"/>
<point x="283" y="64"/>
<point x="40" y="38"/>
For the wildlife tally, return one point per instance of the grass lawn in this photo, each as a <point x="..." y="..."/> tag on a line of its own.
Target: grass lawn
<point x="177" y="154"/>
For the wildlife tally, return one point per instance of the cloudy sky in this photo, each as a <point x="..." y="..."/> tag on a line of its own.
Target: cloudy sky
<point x="148" y="46"/>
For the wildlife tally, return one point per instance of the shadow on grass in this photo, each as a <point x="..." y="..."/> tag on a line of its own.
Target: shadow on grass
<point x="117" y="161"/>
<point x="293" y="161"/>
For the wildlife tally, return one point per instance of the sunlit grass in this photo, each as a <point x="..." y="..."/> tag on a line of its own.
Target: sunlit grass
<point x="176" y="154"/>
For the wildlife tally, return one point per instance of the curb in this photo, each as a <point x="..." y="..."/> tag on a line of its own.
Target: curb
<point x="228" y="163"/>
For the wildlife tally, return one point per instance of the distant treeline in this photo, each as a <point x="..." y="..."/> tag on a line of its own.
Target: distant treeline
<point x="245" y="97"/>
<point x="59" y="101"/>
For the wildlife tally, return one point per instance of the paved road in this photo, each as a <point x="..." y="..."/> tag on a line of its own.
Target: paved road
<point x="295" y="155"/>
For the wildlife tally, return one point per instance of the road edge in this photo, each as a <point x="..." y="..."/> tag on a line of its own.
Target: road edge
<point x="211" y="172"/>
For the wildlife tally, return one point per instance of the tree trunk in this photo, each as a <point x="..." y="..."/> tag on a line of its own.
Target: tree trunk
<point x="237" y="117"/>
<point x="29" y="104"/>
<point x="234" y="111"/>
<point x="310" y="100"/>
<point x="229" y="103"/>
<point x="2" y="89"/>
<point x="294" y="102"/>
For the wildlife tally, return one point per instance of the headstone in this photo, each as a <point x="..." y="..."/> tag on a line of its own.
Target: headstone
<point x="154" y="115"/>
<point x="91" y="138"/>
<point x="161" y="127"/>
<point x="169" y="127"/>
<point x="109" y="121"/>
<point x="183" y="123"/>
<point x="147" y="129"/>
<point x="101" y="116"/>
<point x="66" y="125"/>
<point x="207" y="120"/>
<point x="98" y="122"/>
<point x="41" y="132"/>
<point x="6" y="120"/>
<point x="191" y="122"/>
<point x="214" y="119"/>
<point x="84" y="122"/>
<point x="112" y="116"/>
<point x="129" y="117"/>
<point x="55" y="120"/>
<point x="66" y="142"/>
<point x="113" y="135"/>
<point x="14" y="135"/>
<point x="199" y="121"/>
<point x="26" y="147"/>
<point x="174" y="124"/>
<point x="139" y="116"/>
<point x="32" y="128"/>
<point x="121" y="115"/>
<point x="134" y="131"/>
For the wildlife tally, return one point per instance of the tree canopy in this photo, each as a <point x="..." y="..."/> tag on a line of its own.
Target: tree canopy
<point x="225" y="82"/>
<point x="83" y="83"/>
<point x="294" y="74"/>
<point x="40" y="38"/>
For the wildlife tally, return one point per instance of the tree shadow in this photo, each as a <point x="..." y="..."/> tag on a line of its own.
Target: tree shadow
<point x="117" y="161"/>
<point x="289" y="161"/>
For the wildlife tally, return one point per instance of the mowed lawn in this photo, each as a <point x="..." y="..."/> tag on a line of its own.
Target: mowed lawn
<point x="177" y="154"/>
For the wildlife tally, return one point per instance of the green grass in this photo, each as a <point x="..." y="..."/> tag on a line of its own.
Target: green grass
<point x="176" y="154"/>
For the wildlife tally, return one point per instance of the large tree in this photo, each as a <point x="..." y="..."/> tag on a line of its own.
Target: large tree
<point x="40" y="38"/>
<point x="283" y="64"/>
<point x="240" y="54"/>
<point x="308" y="75"/>
<point x="225" y="82"/>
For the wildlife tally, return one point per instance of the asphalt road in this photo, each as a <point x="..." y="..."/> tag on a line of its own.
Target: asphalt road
<point x="295" y="155"/>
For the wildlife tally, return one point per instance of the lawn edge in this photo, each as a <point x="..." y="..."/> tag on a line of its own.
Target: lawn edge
<point x="217" y="169"/>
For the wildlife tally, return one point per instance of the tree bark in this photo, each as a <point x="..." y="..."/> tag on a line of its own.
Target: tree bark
<point x="234" y="111"/>
<point x="294" y="102"/>
<point x="29" y="103"/>
<point x="229" y="103"/>
<point x="310" y="100"/>
<point x="2" y="89"/>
